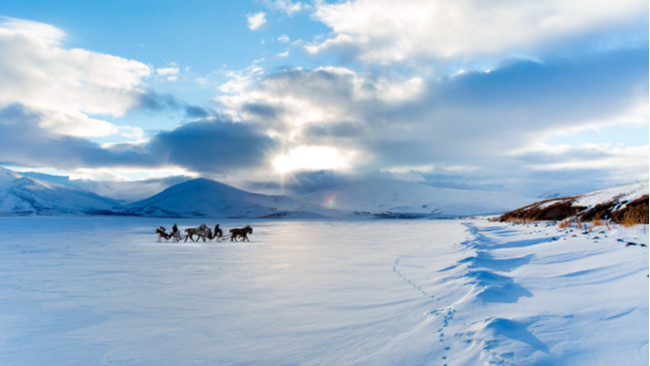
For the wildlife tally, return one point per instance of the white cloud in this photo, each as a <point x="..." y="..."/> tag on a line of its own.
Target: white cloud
<point x="240" y="80"/>
<point x="286" y="6"/>
<point x="48" y="34"/>
<point x="255" y="21"/>
<point x="65" y="85"/>
<point x="284" y="38"/>
<point x="168" y="73"/>
<point x="386" y="32"/>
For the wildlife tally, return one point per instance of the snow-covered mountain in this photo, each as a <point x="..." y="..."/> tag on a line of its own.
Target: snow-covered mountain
<point x="628" y="202"/>
<point x="21" y="195"/>
<point x="122" y="191"/>
<point x="395" y="198"/>
<point x="381" y="198"/>
<point x="204" y="197"/>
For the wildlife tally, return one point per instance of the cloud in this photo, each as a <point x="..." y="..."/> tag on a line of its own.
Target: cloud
<point x="168" y="73"/>
<point x="286" y="6"/>
<point x="386" y="32"/>
<point x="213" y="146"/>
<point x="240" y="80"/>
<point x="27" y="144"/>
<point x="65" y="85"/>
<point x="255" y="21"/>
<point x="165" y="102"/>
<point x="482" y="122"/>
<point x="208" y="146"/>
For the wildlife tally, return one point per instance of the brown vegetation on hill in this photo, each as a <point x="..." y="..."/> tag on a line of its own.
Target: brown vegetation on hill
<point x="635" y="212"/>
<point x="554" y="209"/>
<point x="626" y="213"/>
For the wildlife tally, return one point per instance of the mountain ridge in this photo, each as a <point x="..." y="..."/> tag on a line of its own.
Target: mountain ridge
<point x="201" y="197"/>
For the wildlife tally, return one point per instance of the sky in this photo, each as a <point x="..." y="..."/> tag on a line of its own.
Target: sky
<point x="516" y="96"/>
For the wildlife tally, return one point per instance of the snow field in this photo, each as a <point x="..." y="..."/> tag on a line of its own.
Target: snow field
<point x="459" y="292"/>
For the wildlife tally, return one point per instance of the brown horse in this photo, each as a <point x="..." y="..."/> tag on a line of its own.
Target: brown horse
<point x="162" y="233"/>
<point x="242" y="233"/>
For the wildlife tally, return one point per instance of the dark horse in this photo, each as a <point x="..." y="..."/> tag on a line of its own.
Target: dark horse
<point x="217" y="233"/>
<point x="243" y="232"/>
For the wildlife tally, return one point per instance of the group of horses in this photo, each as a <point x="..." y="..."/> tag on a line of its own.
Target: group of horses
<point x="205" y="233"/>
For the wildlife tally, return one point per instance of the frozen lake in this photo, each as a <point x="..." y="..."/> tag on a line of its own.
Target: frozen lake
<point x="79" y="291"/>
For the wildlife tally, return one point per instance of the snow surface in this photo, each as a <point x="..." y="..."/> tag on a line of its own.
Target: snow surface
<point x="93" y="291"/>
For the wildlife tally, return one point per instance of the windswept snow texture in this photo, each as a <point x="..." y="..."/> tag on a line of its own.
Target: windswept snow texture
<point x="94" y="291"/>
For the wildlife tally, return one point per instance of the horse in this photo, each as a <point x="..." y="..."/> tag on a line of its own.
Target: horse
<point x="202" y="232"/>
<point x="234" y="233"/>
<point x="162" y="233"/>
<point x="217" y="234"/>
<point x="176" y="235"/>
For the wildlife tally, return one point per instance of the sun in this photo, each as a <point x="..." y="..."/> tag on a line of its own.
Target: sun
<point x="312" y="158"/>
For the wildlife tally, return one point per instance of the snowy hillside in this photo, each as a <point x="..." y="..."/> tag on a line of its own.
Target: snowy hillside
<point x="629" y="202"/>
<point x="122" y="191"/>
<point x="379" y="198"/>
<point x="21" y="195"/>
<point x="394" y="198"/>
<point x="204" y="197"/>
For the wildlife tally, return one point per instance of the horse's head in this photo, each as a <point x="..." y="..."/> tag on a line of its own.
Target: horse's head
<point x="248" y="229"/>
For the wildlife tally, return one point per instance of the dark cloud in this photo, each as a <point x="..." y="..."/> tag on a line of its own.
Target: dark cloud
<point x="208" y="146"/>
<point x="193" y="111"/>
<point x="261" y="110"/>
<point x="213" y="146"/>
<point x="25" y="143"/>
<point x="481" y="114"/>
<point x="157" y="102"/>
<point x="165" y="102"/>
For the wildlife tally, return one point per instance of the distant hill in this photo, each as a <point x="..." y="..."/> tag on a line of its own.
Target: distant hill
<point x="21" y="195"/>
<point x="204" y="197"/>
<point x="381" y="198"/>
<point x="394" y="198"/>
<point x="625" y="204"/>
<point x="122" y="191"/>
